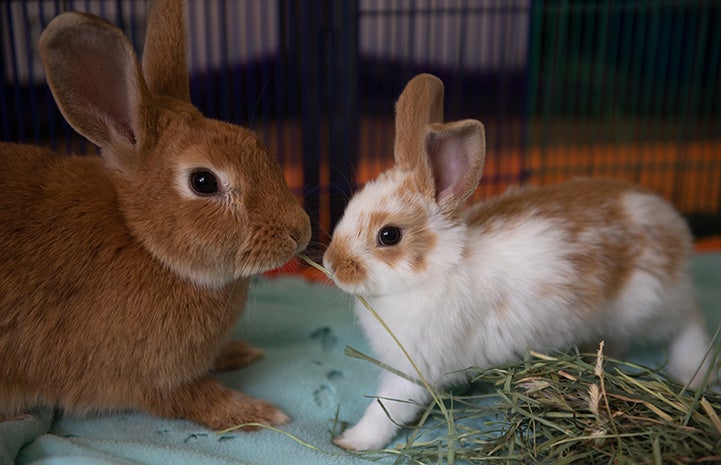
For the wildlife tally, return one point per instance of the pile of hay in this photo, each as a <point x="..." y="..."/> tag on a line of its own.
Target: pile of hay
<point x="570" y="408"/>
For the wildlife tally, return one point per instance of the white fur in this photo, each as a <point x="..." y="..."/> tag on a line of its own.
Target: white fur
<point x="536" y="269"/>
<point x="508" y="295"/>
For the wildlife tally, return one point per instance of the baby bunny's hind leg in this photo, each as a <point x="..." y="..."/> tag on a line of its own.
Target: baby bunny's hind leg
<point x="209" y="403"/>
<point x="687" y="350"/>
<point x="235" y="355"/>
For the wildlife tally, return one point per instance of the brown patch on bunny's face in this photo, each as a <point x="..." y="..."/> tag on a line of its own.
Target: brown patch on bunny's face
<point x="347" y="268"/>
<point x="417" y="240"/>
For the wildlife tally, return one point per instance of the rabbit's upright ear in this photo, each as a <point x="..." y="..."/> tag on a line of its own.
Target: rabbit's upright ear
<point x="97" y="82"/>
<point x="456" y="153"/>
<point x="164" y="53"/>
<point x="420" y="104"/>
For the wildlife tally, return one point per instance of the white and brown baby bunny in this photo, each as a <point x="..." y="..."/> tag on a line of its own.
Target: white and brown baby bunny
<point x="122" y="276"/>
<point x="536" y="268"/>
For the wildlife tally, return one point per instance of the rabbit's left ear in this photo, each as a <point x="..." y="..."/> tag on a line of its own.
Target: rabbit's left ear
<point x="165" y="49"/>
<point x="97" y="82"/>
<point x="420" y="104"/>
<point x="456" y="153"/>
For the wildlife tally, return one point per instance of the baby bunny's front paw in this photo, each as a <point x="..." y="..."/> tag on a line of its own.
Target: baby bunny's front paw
<point x="360" y="438"/>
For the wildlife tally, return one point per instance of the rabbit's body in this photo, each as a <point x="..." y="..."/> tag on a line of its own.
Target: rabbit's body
<point x="492" y="290"/>
<point x="124" y="275"/>
<point x="536" y="268"/>
<point x="97" y="312"/>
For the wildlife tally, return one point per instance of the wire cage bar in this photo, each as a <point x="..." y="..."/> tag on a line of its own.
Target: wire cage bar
<point x="565" y="88"/>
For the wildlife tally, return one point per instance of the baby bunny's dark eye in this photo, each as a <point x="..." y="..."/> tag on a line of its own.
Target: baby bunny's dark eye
<point x="203" y="182"/>
<point x="389" y="235"/>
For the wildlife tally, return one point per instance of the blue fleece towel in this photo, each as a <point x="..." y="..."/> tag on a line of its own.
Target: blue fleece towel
<point x="303" y="328"/>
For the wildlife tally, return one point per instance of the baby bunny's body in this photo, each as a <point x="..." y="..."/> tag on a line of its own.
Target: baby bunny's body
<point x="123" y="276"/>
<point x="536" y="268"/>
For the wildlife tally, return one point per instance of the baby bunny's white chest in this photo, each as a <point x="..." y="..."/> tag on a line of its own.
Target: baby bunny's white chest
<point x="442" y="331"/>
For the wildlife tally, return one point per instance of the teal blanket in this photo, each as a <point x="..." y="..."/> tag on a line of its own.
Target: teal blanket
<point x="303" y="328"/>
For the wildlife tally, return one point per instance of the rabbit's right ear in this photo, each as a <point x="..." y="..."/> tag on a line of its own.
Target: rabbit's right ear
<point x="456" y="152"/>
<point x="97" y="81"/>
<point x="420" y="104"/>
<point x="164" y="53"/>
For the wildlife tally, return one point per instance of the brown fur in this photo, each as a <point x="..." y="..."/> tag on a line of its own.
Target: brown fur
<point x="347" y="267"/>
<point x="120" y="290"/>
<point x="420" y="104"/>
<point x="165" y="68"/>
<point x="585" y="206"/>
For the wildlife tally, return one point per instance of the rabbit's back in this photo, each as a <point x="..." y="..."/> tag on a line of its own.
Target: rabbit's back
<point x="613" y="223"/>
<point x="56" y="221"/>
<point x="602" y="258"/>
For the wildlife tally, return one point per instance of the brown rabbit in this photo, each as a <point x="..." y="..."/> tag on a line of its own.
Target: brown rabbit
<point x="123" y="275"/>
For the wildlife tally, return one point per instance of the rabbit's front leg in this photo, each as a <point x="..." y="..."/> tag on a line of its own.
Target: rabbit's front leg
<point x="401" y="401"/>
<point x="235" y="355"/>
<point x="213" y="405"/>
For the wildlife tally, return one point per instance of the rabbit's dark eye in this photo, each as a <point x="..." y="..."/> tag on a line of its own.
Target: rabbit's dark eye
<point x="389" y="236"/>
<point x="203" y="182"/>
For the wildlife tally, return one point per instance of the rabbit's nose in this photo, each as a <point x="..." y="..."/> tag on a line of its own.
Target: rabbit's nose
<point x="299" y="229"/>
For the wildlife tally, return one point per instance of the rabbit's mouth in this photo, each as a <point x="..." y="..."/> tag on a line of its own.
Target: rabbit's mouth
<point x="350" y="275"/>
<point x="268" y="254"/>
<point x="346" y="277"/>
<point x="353" y="289"/>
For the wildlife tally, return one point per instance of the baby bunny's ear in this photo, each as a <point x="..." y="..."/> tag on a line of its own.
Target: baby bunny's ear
<point x="97" y="82"/>
<point x="456" y="152"/>
<point x="420" y="104"/>
<point x="164" y="53"/>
